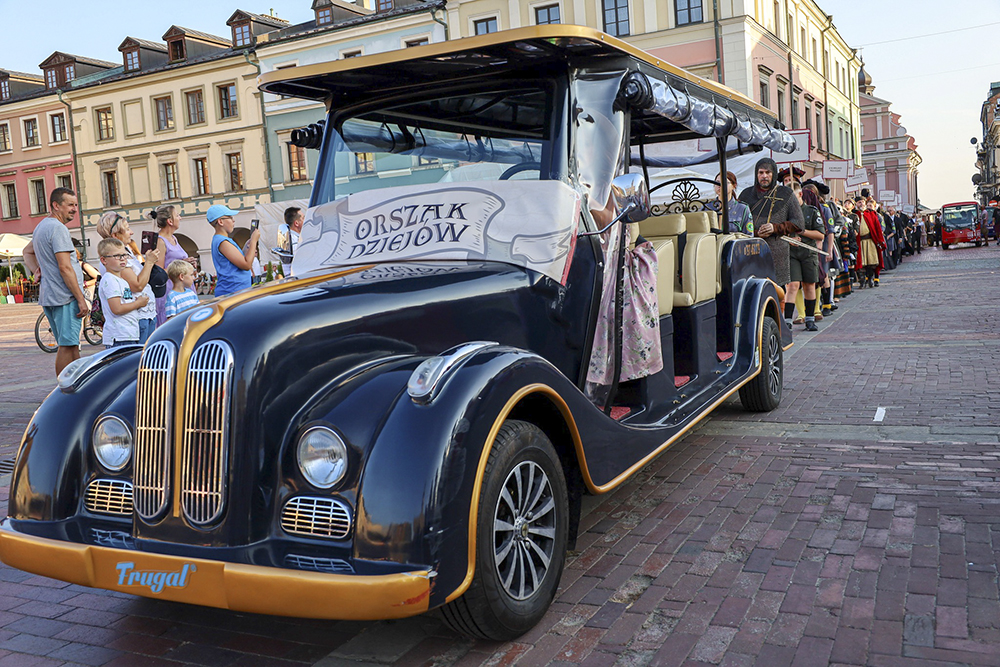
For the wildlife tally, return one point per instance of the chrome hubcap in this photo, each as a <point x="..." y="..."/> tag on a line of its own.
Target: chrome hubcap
<point x="524" y="530"/>
<point x="774" y="365"/>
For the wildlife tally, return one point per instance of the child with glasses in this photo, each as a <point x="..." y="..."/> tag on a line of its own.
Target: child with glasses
<point x="120" y="305"/>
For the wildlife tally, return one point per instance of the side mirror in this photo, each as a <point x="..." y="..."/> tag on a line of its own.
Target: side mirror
<point x="631" y="196"/>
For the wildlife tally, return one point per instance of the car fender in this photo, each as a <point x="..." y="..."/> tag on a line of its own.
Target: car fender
<point x="54" y="457"/>
<point x="419" y="493"/>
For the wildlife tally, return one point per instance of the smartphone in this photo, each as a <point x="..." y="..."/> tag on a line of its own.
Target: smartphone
<point x="254" y="224"/>
<point x="149" y="241"/>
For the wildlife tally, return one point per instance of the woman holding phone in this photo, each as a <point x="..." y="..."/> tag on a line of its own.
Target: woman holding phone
<point x="168" y="220"/>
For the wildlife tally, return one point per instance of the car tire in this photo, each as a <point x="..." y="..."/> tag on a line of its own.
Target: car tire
<point x="979" y="244"/>
<point x="517" y="533"/>
<point x="763" y="393"/>
<point x="944" y="246"/>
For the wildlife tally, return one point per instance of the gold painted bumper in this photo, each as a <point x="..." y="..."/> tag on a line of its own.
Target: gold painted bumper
<point x="233" y="586"/>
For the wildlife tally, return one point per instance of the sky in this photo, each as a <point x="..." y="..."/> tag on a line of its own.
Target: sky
<point x="937" y="83"/>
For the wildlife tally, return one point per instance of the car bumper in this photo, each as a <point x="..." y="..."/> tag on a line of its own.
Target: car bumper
<point x="233" y="586"/>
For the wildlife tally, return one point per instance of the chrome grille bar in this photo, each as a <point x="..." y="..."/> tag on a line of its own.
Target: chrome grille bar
<point x="204" y="453"/>
<point x="316" y="517"/>
<point x="154" y="399"/>
<point x="109" y="496"/>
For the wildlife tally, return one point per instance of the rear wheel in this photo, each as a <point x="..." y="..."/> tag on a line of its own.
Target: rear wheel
<point x="94" y="333"/>
<point x="520" y="538"/>
<point x="44" y="336"/>
<point x="763" y="393"/>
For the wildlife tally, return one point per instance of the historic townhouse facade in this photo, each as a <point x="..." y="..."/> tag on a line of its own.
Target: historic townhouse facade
<point x="889" y="154"/>
<point x="338" y="30"/>
<point x="180" y="122"/>
<point x="988" y="151"/>
<point x="36" y="153"/>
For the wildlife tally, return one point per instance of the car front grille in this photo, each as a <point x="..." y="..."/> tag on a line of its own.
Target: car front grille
<point x="152" y="429"/>
<point x="316" y="517"/>
<point x="204" y="454"/>
<point x="109" y="496"/>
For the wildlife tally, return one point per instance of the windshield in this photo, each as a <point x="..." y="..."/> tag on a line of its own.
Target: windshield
<point x="959" y="217"/>
<point x="477" y="136"/>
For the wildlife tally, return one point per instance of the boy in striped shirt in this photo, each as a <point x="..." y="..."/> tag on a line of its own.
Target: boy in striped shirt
<point x="182" y="296"/>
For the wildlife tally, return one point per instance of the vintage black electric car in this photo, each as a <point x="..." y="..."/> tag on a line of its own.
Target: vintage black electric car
<point x="410" y="422"/>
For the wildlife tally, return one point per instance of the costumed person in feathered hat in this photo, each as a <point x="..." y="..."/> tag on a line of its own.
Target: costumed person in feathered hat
<point x="776" y="213"/>
<point x="790" y="174"/>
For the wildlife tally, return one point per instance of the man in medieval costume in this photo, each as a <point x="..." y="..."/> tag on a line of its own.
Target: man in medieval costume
<point x="870" y="244"/>
<point x="776" y="213"/>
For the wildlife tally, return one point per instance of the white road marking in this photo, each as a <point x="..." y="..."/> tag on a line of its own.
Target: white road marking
<point x="879" y="414"/>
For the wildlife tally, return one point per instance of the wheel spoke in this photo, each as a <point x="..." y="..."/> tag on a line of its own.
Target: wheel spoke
<point x="549" y="505"/>
<point x="535" y="579"/>
<point x="542" y="556"/>
<point x="500" y="525"/>
<point x="505" y="496"/>
<point x="550" y="533"/>
<point x="504" y="551"/>
<point x="521" y="557"/>
<point x="520" y="491"/>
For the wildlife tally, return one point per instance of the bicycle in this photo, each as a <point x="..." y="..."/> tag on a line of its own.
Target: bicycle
<point x="92" y="332"/>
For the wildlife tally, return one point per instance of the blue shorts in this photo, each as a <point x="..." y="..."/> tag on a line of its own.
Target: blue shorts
<point x="65" y="325"/>
<point x="145" y="329"/>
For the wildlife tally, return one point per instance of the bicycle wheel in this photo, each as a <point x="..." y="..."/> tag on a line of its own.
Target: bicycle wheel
<point x="44" y="336"/>
<point x="94" y="333"/>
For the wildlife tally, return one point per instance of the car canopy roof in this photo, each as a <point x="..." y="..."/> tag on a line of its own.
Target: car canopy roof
<point x="679" y="104"/>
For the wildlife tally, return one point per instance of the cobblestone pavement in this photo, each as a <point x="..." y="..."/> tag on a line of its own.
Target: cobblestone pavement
<point x="826" y="532"/>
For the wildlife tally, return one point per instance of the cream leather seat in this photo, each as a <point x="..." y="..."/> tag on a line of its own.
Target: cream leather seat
<point x="720" y="242"/>
<point x="700" y="261"/>
<point x="662" y="232"/>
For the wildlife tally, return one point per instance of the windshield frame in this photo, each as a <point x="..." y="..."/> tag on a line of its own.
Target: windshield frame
<point x="554" y="84"/>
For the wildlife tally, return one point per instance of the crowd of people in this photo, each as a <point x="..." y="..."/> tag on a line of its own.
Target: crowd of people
<point x="138" y="290"/>
<point x="823" y="248"/>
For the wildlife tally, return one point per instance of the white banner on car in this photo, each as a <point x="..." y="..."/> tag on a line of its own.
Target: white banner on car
<point x="527" y="223"/>
<point x="801" y="152"/>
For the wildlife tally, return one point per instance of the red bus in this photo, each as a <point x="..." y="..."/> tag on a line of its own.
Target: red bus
<point x="961" y="222"/>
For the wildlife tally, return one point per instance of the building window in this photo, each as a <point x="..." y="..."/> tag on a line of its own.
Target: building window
<point x="10" y="201"/>
<point x="235" y="163"/>
<point x="829" y="136"/>
<point x="4" y="138"/>
<point x="423" y="41"/>
<point x="171" y="184"/>
<point x="795" y="110"/>
<point x="802" y="40"/>
<point x="350" y="54"/>
<point x="227" y="101"/>
<point x="132" y="60"/>
<point x="5" y="89"/>
<point x="241" y="35"/>
<point x="777" y="18"/>
<point x="105" y="130"/>
<point x="58" y="127"/>
<point x="688" y="11"/>
<point x="177" y="50"/>
<point x="819" y="131"/>
<point x="64" y="181"/>
<point x="384" y="5"/>
<point x="195" y="107"/>
<point x="324" y="16"/>
<point x="547" y="15"/>
<point x="111" y="188"/>
<point x="616" y="18"/>
<point x="815" y="54"/>
<point x="201" y="176"/>
<point x="486" y="26"/>
<point x="808" y="116"/>
<point x="164" y="113"/>
<point x="50" y="78"/>
<point x="70" y="72"/>
<point x="364" y="163"/>
<point x="790" y="31"/>
<point x="765" y="94"/>
<point x="31" y="137"/>
<point x="297" y="163"/>
<point x="781" y="105"/>
<point x="37" y="189"/>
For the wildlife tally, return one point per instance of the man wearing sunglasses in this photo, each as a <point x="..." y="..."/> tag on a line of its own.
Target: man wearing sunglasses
<point x="51" y="255"/>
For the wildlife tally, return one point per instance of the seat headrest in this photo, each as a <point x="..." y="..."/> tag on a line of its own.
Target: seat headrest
<point x="673" y="224"/>
<point x="702" y="222"/>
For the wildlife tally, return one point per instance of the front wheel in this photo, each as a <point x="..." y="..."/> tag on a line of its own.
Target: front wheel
<point x="44" y="336"/>
<point x="944" y="246"/>
<point x="94" y="333"/>
<point x="763" y="393"/>
<point x="520" y="538"/>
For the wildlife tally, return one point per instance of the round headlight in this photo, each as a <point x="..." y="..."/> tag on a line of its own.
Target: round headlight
<point x="322" y="457"/>
<point x="112" y="442"/>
